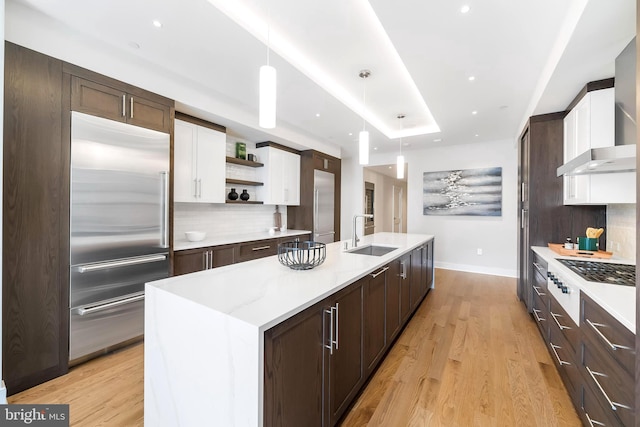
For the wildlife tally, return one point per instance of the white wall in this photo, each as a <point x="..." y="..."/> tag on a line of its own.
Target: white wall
<point x="456" y="237"/>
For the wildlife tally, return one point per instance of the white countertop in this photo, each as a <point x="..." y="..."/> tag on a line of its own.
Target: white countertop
<point x="617" y="300"/>
<point x="263" y="292"/>
<point x="183" y="244"/>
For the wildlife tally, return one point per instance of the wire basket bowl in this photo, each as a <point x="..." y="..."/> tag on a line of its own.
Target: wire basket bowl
<point x="302" y="255"/>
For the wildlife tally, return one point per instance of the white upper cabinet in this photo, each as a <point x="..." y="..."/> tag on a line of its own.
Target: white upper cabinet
<point x="591" y="124"/>
<point x="280" y="175"/>
<point x="199" y="164"/>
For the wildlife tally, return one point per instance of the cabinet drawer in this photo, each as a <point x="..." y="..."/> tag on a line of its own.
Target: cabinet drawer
<point x="614" y="388"/>
<point x="540" y="314"/>
<point x="600" y="327"/>
<point x="564" y="357"/>
<point x="559" y="319"/>
<point x="591" y="412"/>
<point x="258" y="249"/>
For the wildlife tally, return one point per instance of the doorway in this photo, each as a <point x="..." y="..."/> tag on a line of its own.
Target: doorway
<point x="389" y="197"/>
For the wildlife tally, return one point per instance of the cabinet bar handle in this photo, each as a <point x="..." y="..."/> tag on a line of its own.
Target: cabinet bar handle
<point x="337" y="324"/>
<point x="595" y="326"/>
<point x="374" y="275"/>
<point x="330" y="346"/>
<point x="205" y="260"/>
<point x="554" y="316"/>
<point x="614" y="405"/>
<point x="535" y="314"/>
<point x="404" y="270"/>
<point x="538" y="267"/>
<point x="593" y="423"/>
<point x="195" y="188"/>
<point x="124" y="105"/>
<point x="131" y="103"/>
<point x="560" y="361"/>
<point x="535" y="288"/>
<point x="200" y="188"/>
<point x="261" y="248"/>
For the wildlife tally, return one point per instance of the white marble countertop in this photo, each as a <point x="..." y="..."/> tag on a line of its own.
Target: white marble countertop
<point x="183" y="244"/>
<point x="263" y="292"/>
<point x="617" y="300"/>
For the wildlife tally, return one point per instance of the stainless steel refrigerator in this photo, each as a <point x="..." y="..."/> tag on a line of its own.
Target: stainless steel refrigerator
<point x="119" y="234"/>
<point x="323" y="206"/>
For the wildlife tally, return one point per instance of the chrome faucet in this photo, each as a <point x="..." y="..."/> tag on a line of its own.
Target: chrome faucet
<point x="355" y="239"/>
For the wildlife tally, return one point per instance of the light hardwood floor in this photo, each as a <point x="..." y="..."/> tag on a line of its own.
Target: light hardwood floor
<point x="471" y="356"/>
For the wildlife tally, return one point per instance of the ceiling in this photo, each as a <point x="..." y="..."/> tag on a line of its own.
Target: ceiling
<point x="526" y="57"/>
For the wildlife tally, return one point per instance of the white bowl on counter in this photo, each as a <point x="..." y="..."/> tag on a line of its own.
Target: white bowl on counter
<point x="195" y="236"/>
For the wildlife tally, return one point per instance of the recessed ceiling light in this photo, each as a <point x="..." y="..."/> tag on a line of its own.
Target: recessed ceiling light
<point x="157" y="24"/>
<point x="350" y="133"/>
<point x="472" y="78"/>
<point x="474" y="112"/>
<point x="465" y="8"/>
<point x="477" y="134"/>
<point x="317" y="114"/>
<point x="390" y="167"/>
<point x="375" y="148"/>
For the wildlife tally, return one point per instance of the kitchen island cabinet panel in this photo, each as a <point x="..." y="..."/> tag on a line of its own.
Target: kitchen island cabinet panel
<point x="35" y="245"/>
<point x="293" y="373"/>
<point x="405" y="287"/>
<point x="374" y="318"/>
<point x="392" y="300"/>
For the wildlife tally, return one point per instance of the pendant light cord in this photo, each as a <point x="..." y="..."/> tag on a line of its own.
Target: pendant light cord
<point x="268" y="31"/>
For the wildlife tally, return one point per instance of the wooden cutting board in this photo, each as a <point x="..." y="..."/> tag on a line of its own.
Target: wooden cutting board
<point x="559" y="248"/>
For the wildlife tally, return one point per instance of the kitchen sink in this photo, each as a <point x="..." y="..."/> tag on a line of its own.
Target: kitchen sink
<point x="373" y="250"/>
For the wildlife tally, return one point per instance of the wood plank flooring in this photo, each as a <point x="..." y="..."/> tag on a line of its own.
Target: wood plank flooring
<point x="471" y="356"/>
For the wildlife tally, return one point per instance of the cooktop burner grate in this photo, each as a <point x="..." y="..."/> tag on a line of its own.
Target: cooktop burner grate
<point x="603" y="272"/>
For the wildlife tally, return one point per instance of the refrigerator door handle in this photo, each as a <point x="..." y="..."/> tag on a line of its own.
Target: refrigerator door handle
<point x="164" y="210"/>
<point x="120" y="263"/>
<point x="83" y="311"/>
<point x="316" y="219"/>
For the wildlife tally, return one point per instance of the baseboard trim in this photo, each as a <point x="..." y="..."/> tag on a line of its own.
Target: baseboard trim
<point x="477" y="269"/>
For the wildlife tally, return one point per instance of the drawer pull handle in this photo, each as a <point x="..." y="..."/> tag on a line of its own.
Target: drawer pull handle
<point x="560" y="361"/>
<point x="555" y="318"/>
<point x="535" y="288"/>
<point x="374" y="275"/>
<point x="593" y="423"/>
<point x="538" y="318"/>
<point x="331" y="326"/>
<point x="595" y="327"/>
<point x="539" y="268"/>
<point x="260" y="248"/>
<point x="614" y="405"/>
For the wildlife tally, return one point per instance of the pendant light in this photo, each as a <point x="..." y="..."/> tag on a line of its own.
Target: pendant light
<point x="267" y="102"/>
<point x="400" y="158"/>
<point x="363" y="138"/>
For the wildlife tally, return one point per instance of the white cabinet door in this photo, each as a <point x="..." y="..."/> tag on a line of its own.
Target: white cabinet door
<point x="281" y="177"/>
<point x="211" y="165"/>
<point x="185" y="180"/>
<point x="199" y="164"/>
<point x="591" y="124"/>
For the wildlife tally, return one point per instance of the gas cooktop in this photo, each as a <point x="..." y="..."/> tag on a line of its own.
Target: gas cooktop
<point x="603" y="272"/>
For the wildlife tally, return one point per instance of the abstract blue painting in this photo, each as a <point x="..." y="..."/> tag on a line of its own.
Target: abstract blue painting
<point x="476" y="192"/>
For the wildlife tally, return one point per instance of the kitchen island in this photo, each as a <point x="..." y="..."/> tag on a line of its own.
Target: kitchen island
<point x="205" y="332"/>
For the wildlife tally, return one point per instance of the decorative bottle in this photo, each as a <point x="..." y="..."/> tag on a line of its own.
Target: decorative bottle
<point x="244" y="196"/>
<point x="232" y="194"/>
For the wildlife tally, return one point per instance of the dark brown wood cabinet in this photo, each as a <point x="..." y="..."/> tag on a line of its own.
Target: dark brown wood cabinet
<point x="293" y="375"/>
<point x="104" y="97"/>
<point x="419" y="281"/>
<point x="405" y="287"/>
<point x="317" y="362"/>
<point x="301" y="217"/>
<point x="35" y="244"/>
<point x="542" y="216"/>
<point x="375" y="338"/>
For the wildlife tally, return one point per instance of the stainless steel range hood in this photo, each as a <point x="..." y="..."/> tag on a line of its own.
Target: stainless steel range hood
<point x="619" y="158"/>
<point x="622" y="156"/>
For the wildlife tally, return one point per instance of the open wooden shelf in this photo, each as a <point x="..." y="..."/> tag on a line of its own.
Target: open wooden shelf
<point x="244" y="162"/>
<point x="243" y="182"/>
<point x="242" y="202"/>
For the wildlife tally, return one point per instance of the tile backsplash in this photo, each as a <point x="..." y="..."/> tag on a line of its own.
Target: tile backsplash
<point x="227" y="219"/>
<point x="223" y="220"/>
<point x="621" y="230"/>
